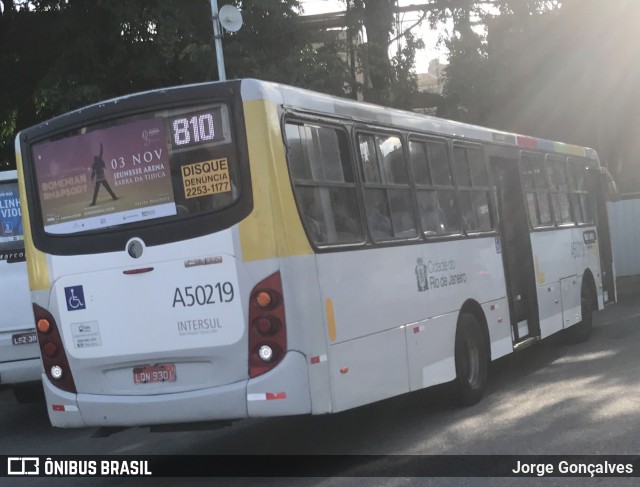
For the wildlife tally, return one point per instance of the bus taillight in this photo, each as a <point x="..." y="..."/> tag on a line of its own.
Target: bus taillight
<point x="267" y="330"/>
<point x="55" y="362"/>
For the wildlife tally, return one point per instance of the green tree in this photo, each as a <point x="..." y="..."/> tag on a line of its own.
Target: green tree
<point x="478" y="71"/>
<point x="403" y="86"/>
<point x="377" y="18"/>
<point x="557" y="70"/>
<point x="70" y="53"/>
<point x="24" y="59"/>
<point x="67" y="54"/>
<point x="58" y="55"/>
<point x="387" y="80"/>
<point x="570" y="73"/>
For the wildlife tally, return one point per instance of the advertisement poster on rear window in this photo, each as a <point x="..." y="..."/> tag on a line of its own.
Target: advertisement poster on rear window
<point x="105" y="177"/>
<point x="10" y="218"/>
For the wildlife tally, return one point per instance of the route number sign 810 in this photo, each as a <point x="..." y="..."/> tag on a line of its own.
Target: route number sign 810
<point x="199" y="128"/>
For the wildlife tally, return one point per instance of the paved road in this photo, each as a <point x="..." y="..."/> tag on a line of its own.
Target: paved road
<point x="548" y="399"/>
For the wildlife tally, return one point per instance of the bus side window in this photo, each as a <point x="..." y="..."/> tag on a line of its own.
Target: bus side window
<point x="434" y="188"/>
<point x="324" y="185"/>
<point x="473" y="187"/>
<point x="579" y="193"/>
<point x="536" y="187"/>
<point x="387" y="195"/>
<point x="558" y="189"/>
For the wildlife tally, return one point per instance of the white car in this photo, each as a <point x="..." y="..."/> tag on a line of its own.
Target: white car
<point x="20" y="365"/>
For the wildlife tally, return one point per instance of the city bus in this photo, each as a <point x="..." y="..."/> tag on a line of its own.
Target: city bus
<point x="227" y="250"/>
<point x="20" y="366"/>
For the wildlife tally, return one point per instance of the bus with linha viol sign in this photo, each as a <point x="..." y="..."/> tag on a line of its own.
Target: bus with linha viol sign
<point x="20" y="365"/>
<point x="245" y="249"/>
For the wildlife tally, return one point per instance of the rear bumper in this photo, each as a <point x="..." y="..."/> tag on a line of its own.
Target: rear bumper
<point x="19" y="371"/>
<point x="283" y="391"/>
<point x="18" y="363"/>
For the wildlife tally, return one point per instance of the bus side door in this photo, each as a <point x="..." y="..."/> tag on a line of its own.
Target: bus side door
<point x="516" y="250"/>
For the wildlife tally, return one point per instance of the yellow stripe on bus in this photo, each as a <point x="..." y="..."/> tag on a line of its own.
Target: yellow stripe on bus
<point x="331" y="320"/>
<point x="273" y="229"/>
<point x="36" y="260"/>
<point x="540" y="277"/>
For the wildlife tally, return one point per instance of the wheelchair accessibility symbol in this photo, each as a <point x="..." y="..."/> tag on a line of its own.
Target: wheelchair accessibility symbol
<point x="75" y="298"/>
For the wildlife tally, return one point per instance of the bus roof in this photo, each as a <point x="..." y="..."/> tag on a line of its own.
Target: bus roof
<point x="307" y="100"/>
<point x="346" y="108"/>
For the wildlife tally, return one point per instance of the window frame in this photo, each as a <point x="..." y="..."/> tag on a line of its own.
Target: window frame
<point x="572" y="162"/>
<point x="374" y="131"/>
<point x="405" y="134"/>
<point x="339" y="128"/>
<point x="542" y="156"/>
<point x="561" y="163"/>
<point x="415" y="137"/>
<point x="489" y="190"/>
<point x="152" y="232"/>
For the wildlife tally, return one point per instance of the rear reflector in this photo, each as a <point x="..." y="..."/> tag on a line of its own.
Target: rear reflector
<point x="267" y="396"/>
<point x="62" y="408"/>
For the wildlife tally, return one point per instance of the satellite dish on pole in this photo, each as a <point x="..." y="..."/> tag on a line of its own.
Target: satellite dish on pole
<point x="230" y="18"/>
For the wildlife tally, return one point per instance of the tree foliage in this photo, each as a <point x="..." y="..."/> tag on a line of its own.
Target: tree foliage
<point x="57" y="55"/>
<point x="388" y="80"/>
<point x="70" y="53"/>
<point x="560" y="69"/>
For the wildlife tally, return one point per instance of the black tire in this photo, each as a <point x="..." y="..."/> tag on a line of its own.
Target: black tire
<point x="472" y="361"/>
<point x="581" y="332"/>
<point x="29" y="392"/>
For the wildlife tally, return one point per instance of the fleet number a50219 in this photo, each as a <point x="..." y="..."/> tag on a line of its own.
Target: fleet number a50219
<point x="188" y="296"/>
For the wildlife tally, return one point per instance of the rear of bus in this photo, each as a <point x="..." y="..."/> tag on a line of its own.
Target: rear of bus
<point x="19" y="356"/>
<point x="141" y="297"/>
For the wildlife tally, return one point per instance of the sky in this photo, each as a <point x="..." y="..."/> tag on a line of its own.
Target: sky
<point x="430" y="37"/>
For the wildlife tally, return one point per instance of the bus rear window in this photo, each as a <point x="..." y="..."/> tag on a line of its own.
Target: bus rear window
<point x="168" y="164"/>
<point x="11" y="237"/>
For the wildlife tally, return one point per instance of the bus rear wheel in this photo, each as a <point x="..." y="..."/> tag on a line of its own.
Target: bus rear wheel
<point x="472" y="361"/>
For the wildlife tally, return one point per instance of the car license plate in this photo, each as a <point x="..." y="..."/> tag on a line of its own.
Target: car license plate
<point x="154" y="373"/>
<point x="24" y="338"/>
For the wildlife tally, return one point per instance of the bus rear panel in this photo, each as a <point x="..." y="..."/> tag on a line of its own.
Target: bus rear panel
<point x="141" y="297"/>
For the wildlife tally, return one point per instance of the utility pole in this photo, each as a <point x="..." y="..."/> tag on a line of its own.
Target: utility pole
<point x="217" y="39"/>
